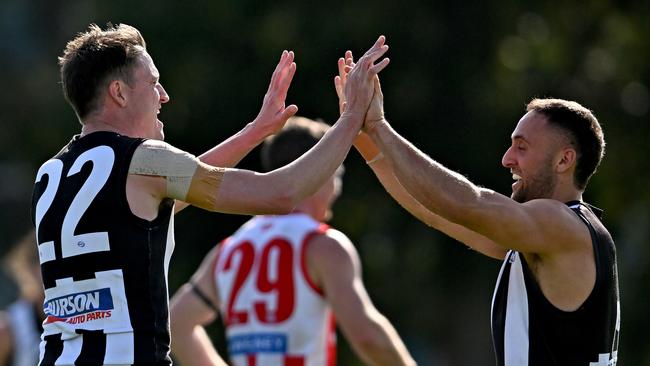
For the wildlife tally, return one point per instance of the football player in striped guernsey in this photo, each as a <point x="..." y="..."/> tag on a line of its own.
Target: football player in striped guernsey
<point x="103" y="206"/>
<point x="281" y="282"/>
<point x="556" y="301"/>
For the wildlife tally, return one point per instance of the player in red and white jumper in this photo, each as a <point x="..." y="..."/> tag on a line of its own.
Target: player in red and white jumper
<point x="280" y="281"/>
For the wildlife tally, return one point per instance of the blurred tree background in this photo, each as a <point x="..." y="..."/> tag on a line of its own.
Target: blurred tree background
<point x="460" y="76"/>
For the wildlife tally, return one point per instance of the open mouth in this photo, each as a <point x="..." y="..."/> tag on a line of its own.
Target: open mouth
<point x="517" y="179"/>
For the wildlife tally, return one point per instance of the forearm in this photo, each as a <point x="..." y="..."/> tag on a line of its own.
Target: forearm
<point x="381" y="345"/>
<point x="193" y="347"/>
<point x="230" y="152"/>
<point x="438" y="189"/>
<point x="384" y="172"/>
<point x="279" y="191"/>
<point x="306" y="175"/>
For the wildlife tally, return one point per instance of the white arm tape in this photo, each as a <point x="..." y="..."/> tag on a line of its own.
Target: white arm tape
<point x="159" y="158"/>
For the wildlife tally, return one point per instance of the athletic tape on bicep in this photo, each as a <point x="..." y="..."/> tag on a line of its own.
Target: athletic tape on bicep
<point x="162" y="159"/>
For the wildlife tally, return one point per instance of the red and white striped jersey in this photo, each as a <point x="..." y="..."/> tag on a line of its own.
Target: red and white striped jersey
<point x="273" y="312"/>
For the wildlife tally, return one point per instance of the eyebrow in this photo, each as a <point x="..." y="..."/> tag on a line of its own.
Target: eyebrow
<point x="520" y="137"/>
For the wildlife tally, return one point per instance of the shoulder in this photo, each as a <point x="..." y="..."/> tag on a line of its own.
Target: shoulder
<point x="560" y="223"/>
<point x="552" y="212"/>
<point x="331" y="247"/>
<point x="158" y="147"/>
<point x="154" y="157"/>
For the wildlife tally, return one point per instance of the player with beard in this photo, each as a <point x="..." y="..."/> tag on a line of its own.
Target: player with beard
<point x="556" y="300"/>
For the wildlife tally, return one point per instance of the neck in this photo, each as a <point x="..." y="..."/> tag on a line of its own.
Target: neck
<point x="568" y="195"/>
<point x="308" y="209"/>
<point x="95" y="124"/>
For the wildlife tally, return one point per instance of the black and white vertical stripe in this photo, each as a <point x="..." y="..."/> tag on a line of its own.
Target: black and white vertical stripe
<point x="89" y="348"/>
<point x="515" y="330"/>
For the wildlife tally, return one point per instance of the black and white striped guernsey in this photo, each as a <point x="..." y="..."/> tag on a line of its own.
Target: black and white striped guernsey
<point x="104" y="269"/>
<point x="528" y="330"/>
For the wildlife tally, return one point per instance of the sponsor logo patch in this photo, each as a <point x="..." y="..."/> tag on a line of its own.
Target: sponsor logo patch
<point x="258" y="343"/>
<point x="79" y="307"/>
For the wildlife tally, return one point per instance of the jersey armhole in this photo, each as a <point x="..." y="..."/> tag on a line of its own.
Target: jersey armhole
<point x="322" y="228"/>
<point x="597" y="255"/>
<point x="214" y="265"/>
<point x="215" y="261"/>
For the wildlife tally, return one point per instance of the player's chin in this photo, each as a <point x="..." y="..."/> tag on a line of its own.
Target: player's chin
<point x="160" y="133"/>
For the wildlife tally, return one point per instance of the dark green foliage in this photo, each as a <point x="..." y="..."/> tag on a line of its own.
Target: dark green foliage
<point x="460" y="77"/>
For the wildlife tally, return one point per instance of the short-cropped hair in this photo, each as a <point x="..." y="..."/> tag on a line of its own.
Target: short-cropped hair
<point x="581" y="128"/>
<point x="93" y="58"/>
<point x="296" y="138"/>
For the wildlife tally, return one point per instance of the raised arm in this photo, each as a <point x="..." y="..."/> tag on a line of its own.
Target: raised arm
<point x="271" y="118"/>
<point x="189" y="314"/>
<point x="279" y="191"/>
<point x="541" y="226"/>
<point x="334" y="264"/>
<point x="171" y="173"/>
<point x="384" y="173"/>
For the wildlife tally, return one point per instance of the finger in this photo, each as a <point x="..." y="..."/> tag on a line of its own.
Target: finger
<point x="377" y="87"/>
<point x="285" y="71"/>
<point x="376" y="54"/>
<point x="285" y="82"/>
<point x="374" y="70"/>
<point x="348" y="68"/>
<point x="378" y="44"/>
<point x="278" y="67"/>
<point x="289" y="112"/>
<point x="338" y="86"/>
<point x="348" y="56"/>
<point x="341" y="66"/>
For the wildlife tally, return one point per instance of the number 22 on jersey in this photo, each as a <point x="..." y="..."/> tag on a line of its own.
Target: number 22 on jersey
<point x="102" y="158"/>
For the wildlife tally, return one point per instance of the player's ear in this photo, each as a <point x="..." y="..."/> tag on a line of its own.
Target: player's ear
<point x="116" y="92"/>
<point x="567" y="160"/>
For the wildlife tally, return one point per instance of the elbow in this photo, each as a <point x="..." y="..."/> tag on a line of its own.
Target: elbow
<point x="284" y="200"/>
<point x="285" y="203"/>
<point x="369" y="345"/>
<point x="369" y="340"/>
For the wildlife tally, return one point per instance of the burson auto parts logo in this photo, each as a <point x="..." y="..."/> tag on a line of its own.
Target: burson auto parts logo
<point x="80" y="307"/>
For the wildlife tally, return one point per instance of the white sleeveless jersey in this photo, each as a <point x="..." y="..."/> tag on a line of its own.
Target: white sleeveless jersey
<point x="274" y="314"/>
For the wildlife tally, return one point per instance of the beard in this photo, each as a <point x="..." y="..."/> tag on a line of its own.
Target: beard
<point x="541" y="185"/>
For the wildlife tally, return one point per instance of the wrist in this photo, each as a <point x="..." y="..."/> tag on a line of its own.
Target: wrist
<point x="376" y="158"/>
<point x="373" y="125"/>
<point x="353" y="117"/>
<point x="253" y="133"/>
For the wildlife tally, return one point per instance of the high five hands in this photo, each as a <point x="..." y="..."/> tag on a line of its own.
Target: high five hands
<point x="357" y="87"/>
<point x="357" y="83"/>
<point x="375" y="111"/>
